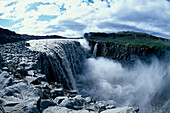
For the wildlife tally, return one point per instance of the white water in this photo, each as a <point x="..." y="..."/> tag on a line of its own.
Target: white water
<point x="105" y="79"/>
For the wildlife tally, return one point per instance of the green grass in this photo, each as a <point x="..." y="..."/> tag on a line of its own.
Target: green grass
<point x="135" y="41"/>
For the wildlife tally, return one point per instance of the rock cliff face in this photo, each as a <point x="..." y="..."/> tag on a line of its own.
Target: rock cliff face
<point x="126" y="47"/>
<point x="123" y="54"/>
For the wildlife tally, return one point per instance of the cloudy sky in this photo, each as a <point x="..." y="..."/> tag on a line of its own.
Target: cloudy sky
<point x="75" y="17"/>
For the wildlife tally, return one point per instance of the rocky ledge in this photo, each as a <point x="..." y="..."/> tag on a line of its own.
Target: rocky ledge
<point x="127" y="47"/>
<point x="23" y="87"/>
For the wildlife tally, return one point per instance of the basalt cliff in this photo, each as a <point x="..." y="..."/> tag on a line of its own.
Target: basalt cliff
<point x="128" y="46"/>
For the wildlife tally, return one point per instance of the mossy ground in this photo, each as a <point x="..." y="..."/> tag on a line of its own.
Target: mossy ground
<point x="135" y="41"/>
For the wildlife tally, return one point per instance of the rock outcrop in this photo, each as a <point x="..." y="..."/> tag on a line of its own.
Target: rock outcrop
<point x="127" y="47"/>
<point x="123" y="54"/>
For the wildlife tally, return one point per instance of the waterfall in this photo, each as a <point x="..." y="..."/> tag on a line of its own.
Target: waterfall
<point x="142" y="85"/>
<point x="95" y="50"/>
<point x="60" y="60"/>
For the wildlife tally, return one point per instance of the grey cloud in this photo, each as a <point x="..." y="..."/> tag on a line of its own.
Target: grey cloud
<point x="54" y="29"/>
<point x="66" y="25"/>
<point x="110" y="25"/>
<point x="72" y="25"/>
<point x="159" y="19"/>
<point x="122" y="27"/>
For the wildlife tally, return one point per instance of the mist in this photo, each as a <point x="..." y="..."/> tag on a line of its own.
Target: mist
<point x="105" y="79"/>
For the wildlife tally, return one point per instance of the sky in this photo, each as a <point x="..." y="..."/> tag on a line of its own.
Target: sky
<point x="73" y="18"/>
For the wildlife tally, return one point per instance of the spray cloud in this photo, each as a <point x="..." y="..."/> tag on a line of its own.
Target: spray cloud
<point x="105" y="79"/>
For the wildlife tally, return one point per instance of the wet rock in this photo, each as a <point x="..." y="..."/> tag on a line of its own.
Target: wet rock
<point x="5" y="69"/>
<point x="110" y="107"/>
<point x="22" y="71"/>
<point x="46" y="103"/>
<point x="89" y="100"/>
<point x="102" y="105"/>
<point x="20" y="97"/>
<point x="120" y="110"/>
<point x="1" y="60"/>
<point x="71" y="93"/>
<point x="58" y="109"/>
<point x="39" y="79"/>
<point x="76" y="103"/>
<point x="5" y="80"/>
<point x="2" y="109"/>
<point x="59" y="99"/>
<point x="92" y="107"/>
<point x="57" y="92"/>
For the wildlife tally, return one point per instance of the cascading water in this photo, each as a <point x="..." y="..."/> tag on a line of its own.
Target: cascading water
<point x="141" y="85"/>
<point x="144" y="85"/>
<point x="95" y="50"/>
<point x="60" y="59"/>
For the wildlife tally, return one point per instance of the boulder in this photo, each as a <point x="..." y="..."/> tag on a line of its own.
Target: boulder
<point x="102" y="105"/>
<point x="5" y="69"/>
<point x="92" y="107"/>
<point x="2" y="109"/>
<point x="5" y="80"/>
<point x="46" y="103"/>
<point x="89" y="100"/>
<point x="120" y="110"/>
<point x="59" y="99"/>
<point x="57" y="92"/>
<point x="71" y="93"/>
<point x="16" y="105"/>
<point x="20" y="97"/>
<point x="58" y="109"/>
<point x="75" y="103"/>
<point x="38" y="79"/>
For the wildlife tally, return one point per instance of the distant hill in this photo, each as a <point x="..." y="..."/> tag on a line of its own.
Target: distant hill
<point x="7" y="36"/>
<point x="7" y="32"/>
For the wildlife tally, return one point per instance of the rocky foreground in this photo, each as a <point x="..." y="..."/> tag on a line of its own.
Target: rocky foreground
<point x="25" y="88"/>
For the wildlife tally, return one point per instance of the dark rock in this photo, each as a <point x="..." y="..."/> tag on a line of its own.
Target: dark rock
<point x="38" y="80"/>
<point x="1" y="109"/>
<point x="110" y="107"/>
<point x="71" y="93"/>
<point x="89" y="100"/>
<point x="120" y="110"/>
<point x="92" y="107"/>
<point x="75" y="103"/>
<point x="57" y="92"/>
<point x="1" y="60"/>
<point x="23" y="72"/>
<point x="5" y="80"/>
<point x="102" y="105"/>
<point x="20" y="97"/>
<point x="58" y="109"/>
<point x="46" y="93"/>
<point x="59" y="99"/>
<point x="46" y="103"/>
<point x="5" y="69"/>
